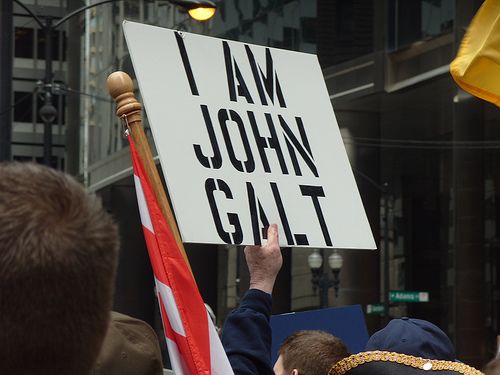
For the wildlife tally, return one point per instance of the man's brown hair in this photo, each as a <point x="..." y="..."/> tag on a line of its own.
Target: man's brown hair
<point x="58" y="255"/>
<point x="311" y="352"/>
<point x="493" y="367"/>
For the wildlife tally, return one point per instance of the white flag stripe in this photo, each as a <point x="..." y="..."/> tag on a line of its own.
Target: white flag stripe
<point x="218" y="359"/>
<point x="173" y="314"/>
<point x="143" y="207"/>
<point x="178" y="364"/>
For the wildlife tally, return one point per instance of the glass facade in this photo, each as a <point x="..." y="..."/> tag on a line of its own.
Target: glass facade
<point x="344" y="30"/>
<point x="275" y="23"/>
<point x="416" y="20"/>
<point x="23" y="42"/>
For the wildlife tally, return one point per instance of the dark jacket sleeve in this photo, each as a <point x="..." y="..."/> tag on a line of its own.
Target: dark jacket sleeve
<point x="246" y="335"/>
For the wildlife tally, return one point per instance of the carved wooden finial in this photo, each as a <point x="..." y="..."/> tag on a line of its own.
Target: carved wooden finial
<point x="121" y="88"/>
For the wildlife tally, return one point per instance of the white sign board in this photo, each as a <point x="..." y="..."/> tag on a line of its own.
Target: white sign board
<point x="246" y="136"/>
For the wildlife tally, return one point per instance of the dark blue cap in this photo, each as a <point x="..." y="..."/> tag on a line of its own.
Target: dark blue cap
<point x="415" y="337"/>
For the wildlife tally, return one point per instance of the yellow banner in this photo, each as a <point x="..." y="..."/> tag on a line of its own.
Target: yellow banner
<point x="476" y="67"/>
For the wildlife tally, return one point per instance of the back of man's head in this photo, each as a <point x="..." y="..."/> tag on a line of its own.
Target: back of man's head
<point x="58" y="254"/>
<point x="311" y="352"/>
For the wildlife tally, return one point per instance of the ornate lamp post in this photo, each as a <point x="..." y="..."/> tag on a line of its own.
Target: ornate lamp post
<point x="321" y="280"/>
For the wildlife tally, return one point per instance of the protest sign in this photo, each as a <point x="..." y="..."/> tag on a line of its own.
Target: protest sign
<point x="246" y="136"/>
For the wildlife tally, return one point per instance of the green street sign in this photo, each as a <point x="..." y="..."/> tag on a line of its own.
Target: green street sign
<point x="376" y="308"/>
<point x="408" y="296"/>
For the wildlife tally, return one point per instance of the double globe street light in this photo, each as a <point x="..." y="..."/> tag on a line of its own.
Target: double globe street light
<point x="321" y="280"/>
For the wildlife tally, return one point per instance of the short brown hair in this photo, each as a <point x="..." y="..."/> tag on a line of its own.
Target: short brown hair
<point x="311" y="352"/>
<point x="493" y="367"/>
<point x="58" y="255"/>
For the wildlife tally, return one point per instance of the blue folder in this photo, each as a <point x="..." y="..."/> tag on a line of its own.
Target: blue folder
<point x="347" y="323"/>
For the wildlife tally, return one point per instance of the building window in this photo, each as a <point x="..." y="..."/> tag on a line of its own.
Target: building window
<point x="132" y="9"/>
<point x="23" y="106"/>
<point x="24" y="42"/>
<point x="291" y="38"/>
<point x="344" y="17"/>
<point x="22" y="158"/>
<point x="414" y="20"/>
<point x="308" y="26"/>
<point x="55" y="162"/>
<point x="55" y="45"/>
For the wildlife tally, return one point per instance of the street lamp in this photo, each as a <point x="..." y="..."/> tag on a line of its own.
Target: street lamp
<point x="320" y="280"/>
<point x="200" y="10"/>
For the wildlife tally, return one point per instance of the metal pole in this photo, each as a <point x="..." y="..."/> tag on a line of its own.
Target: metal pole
<point x="323" y="284"/>
<point x="384" y="189"/>
<point x="335" y="282"/>
<point x="47" y="128"/>
<point x="73" y="101"/>
<point x="385" y="195"/>
<point x="6" y="59"/>
<point x="323" y="291"/>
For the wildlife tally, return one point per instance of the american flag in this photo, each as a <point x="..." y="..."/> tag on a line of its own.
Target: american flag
<point x="193" y="344"/>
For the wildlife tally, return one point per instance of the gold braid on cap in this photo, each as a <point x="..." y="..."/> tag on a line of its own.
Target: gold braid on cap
<point x="355" y="360"/>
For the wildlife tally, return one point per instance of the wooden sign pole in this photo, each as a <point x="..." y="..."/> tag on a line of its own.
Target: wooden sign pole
<point x="121" y="88"/>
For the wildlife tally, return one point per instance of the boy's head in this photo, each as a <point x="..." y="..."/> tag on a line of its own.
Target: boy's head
<point x="58" y="255"/>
